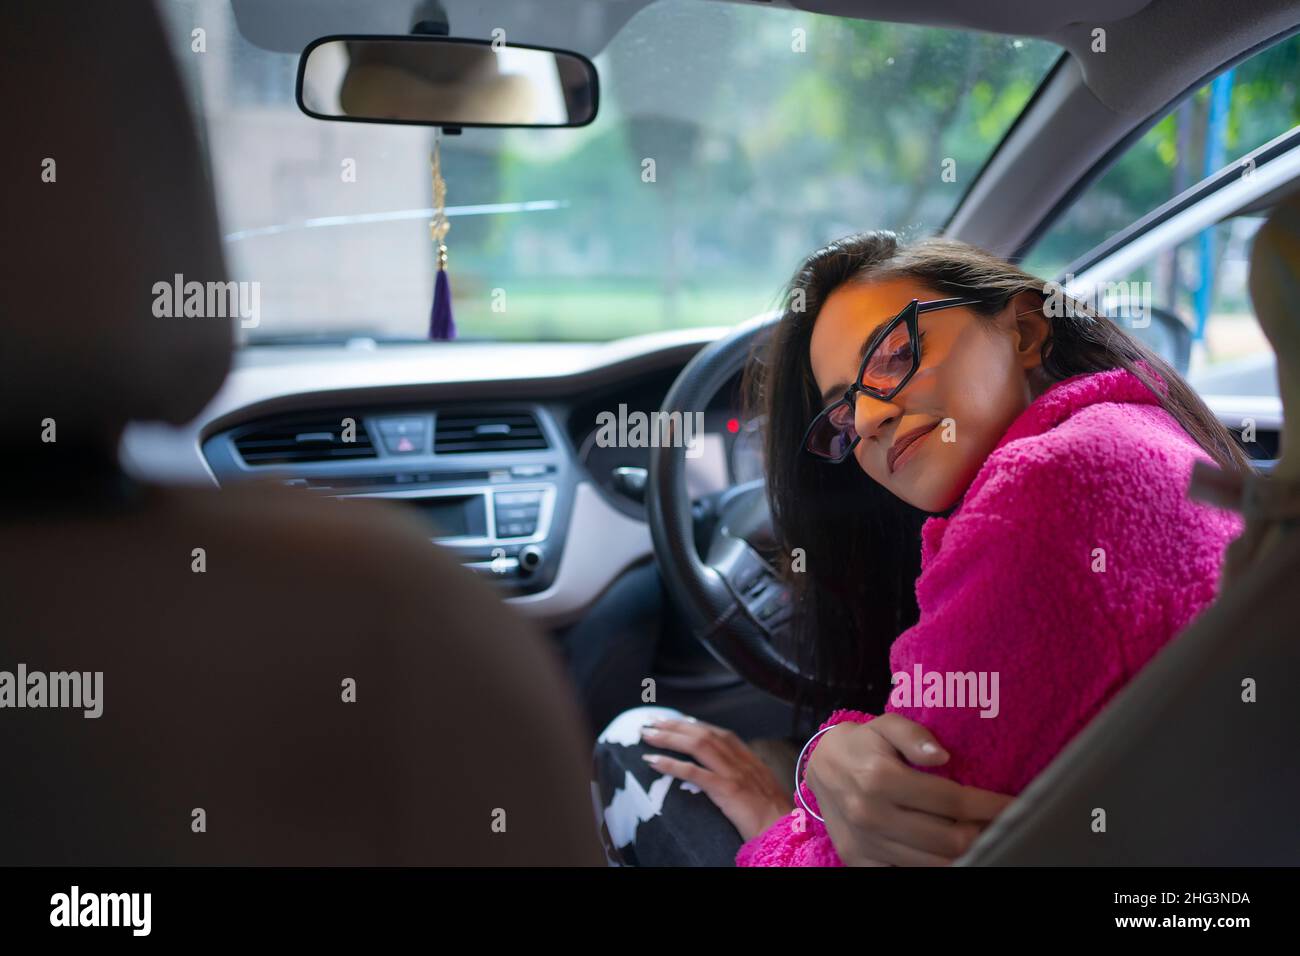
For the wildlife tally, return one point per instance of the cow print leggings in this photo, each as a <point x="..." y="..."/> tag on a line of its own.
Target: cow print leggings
<point x="647" y="818"/>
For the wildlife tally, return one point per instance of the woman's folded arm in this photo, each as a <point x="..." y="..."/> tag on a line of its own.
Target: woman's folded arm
<point x="797" y="839"/>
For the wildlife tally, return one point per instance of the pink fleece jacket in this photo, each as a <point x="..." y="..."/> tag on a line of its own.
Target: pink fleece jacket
<point x="1014" y="583"/>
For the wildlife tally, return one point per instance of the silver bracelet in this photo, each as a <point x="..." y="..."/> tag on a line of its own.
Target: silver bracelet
<point x="798" y="771"/>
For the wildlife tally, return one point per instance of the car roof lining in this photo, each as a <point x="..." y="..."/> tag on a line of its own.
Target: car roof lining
<point x="287" y="26"/>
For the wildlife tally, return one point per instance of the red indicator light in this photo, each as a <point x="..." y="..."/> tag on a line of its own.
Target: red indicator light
<point x="733" y="425"/>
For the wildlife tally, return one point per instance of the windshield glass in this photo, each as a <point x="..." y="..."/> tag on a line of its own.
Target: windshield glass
<point x="731" y="141"/>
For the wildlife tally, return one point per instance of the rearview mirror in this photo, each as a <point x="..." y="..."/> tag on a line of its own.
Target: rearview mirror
<point x="444" y="81"/>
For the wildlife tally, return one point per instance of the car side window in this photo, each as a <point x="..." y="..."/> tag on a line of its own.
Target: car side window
<point x="1215" y="126"/>
<point x="1202" y="281"/>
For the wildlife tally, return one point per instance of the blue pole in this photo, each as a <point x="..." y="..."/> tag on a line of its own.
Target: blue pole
<point x="1216" y="127"/>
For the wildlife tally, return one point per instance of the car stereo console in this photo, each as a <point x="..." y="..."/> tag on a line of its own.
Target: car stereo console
<point x="500" y="531"/>
<point x="493" y="483"/>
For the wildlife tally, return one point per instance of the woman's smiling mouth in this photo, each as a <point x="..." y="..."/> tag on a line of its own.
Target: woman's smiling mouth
<point x="904" y="447"/>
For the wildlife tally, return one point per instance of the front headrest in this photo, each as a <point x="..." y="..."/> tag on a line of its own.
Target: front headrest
<point x="1274" y="291"/>
<point x="107" y="196"/>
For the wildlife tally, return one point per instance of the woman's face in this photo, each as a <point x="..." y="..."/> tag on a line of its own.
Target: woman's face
<point x="973" y="382"/>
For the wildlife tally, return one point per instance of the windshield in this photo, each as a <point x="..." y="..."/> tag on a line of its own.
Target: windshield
<point x="730" y="142"/>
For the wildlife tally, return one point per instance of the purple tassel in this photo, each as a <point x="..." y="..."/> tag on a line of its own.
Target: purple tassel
<point x="441" y="324"/>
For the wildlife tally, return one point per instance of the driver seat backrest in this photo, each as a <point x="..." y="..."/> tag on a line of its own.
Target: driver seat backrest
<point x="285" y="680"/>
<point x="1194" y="762"/>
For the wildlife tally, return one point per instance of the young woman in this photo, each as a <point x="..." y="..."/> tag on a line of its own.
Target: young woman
<point x="988" y="485"/>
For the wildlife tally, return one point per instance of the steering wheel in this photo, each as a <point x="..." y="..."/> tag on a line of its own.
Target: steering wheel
<point x="733" y="599"/>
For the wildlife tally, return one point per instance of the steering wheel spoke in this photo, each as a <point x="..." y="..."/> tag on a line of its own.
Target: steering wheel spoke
<point x="753" y="582"/>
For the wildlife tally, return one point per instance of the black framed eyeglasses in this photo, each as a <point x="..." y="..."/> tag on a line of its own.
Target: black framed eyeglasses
<point x="890" y="358"/>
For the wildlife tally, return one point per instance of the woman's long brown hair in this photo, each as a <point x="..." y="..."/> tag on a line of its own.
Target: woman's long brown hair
<point x="860" y="544"/>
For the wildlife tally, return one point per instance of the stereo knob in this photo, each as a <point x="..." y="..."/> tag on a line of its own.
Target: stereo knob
<point x="530" y="558"/>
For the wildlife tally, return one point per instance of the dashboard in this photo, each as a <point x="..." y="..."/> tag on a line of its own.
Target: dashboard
<point x="495" y="447"/>
<point x="505" y="467"/>
<point x="729" y="449"/>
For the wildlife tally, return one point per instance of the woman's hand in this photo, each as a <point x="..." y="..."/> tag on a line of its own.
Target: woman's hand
<point x="881" y="812"/>
<point x="731" y="774"/>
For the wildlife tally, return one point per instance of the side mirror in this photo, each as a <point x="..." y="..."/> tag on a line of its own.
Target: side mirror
<point x="444" y="81"/>
<point x="1168" y="336"/>
<point x="1158" y="328"/>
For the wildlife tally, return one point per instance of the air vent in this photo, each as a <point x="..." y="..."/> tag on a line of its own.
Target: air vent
<point x="456" y="433"/>
<point x="303" y="440"/>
